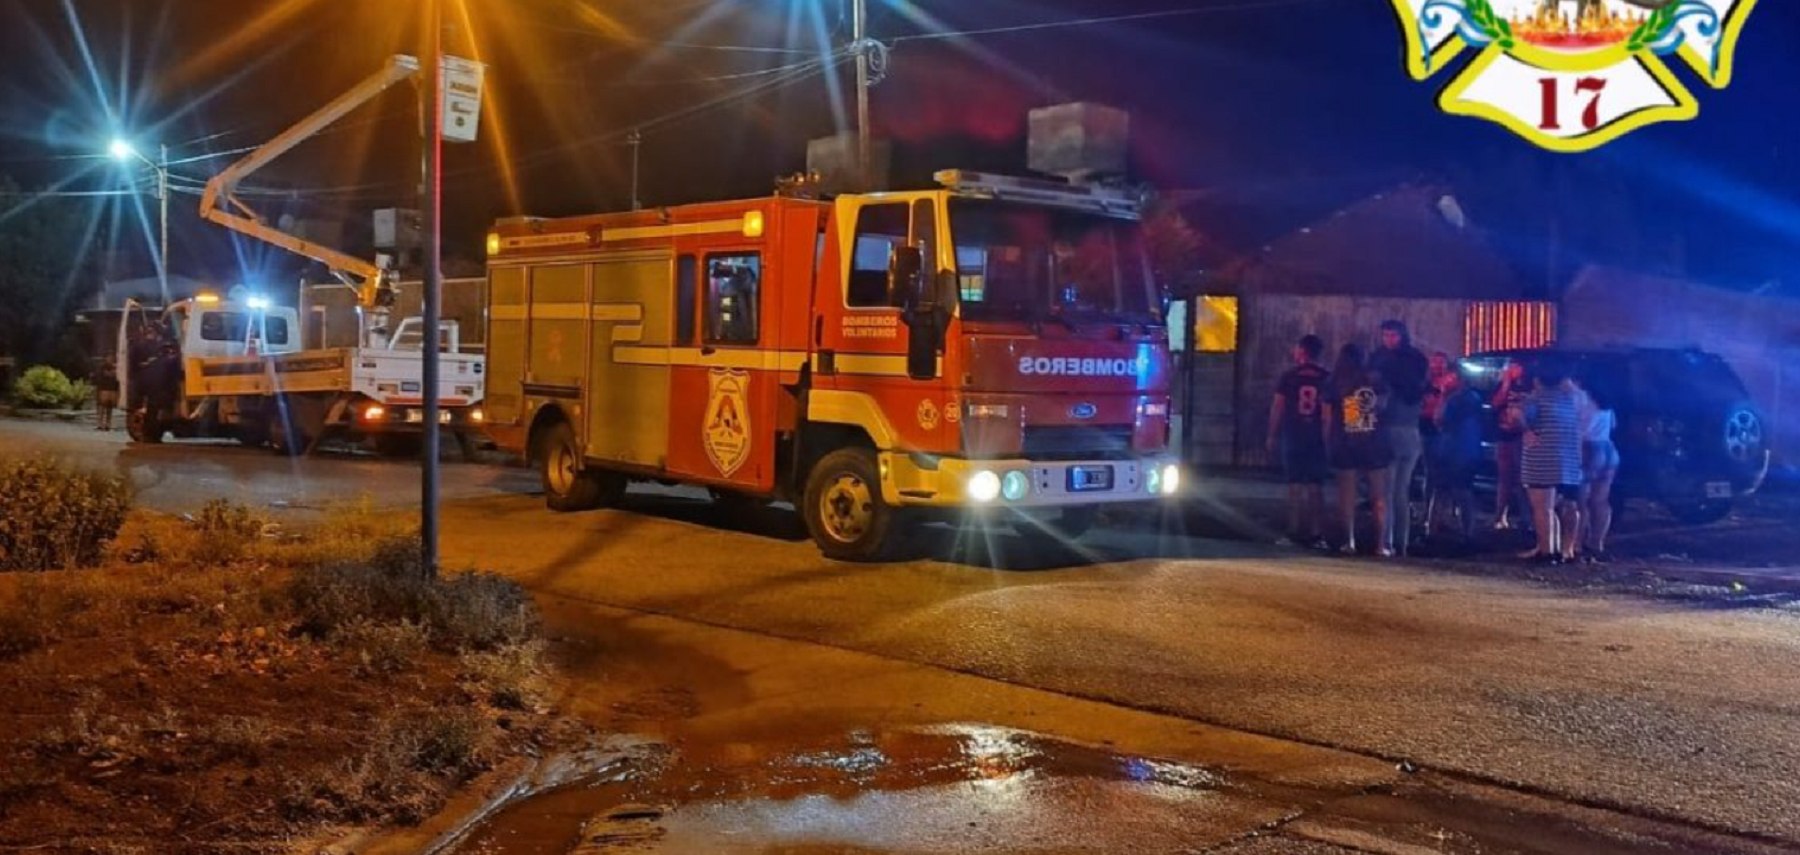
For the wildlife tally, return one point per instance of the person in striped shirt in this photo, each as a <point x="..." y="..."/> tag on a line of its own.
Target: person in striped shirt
<point x="1551" y="464"/>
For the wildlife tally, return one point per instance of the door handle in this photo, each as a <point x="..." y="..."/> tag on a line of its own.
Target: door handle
<point x="708" y="350"/>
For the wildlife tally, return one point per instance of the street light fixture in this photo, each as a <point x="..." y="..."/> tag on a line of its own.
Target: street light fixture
<point x="123" y="151"/>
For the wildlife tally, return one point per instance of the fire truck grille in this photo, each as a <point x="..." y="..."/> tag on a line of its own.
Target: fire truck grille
<point x="1077" y="441"/>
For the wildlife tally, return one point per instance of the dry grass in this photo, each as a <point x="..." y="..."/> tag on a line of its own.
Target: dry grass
<point x="236" y="685"/>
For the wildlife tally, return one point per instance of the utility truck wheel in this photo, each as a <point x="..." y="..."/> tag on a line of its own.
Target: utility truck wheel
<point x="844" y="510"/>
<point x="142" y="426"/>
<point x="569" y="485"/>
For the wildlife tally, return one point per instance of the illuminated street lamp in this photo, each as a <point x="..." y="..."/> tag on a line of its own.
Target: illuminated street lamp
<point x="123" y="151"/>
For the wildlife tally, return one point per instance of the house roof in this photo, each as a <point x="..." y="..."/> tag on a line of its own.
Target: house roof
<point x="1411" y="241"/>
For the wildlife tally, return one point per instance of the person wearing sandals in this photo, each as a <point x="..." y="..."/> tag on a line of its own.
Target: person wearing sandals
<point x="1551" y="464"/>
<point x="1600" y="467"/>
<point x="1359" y="447"/>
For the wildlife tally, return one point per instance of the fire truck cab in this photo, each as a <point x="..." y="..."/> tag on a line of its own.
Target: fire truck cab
<point x="993" y="345"/>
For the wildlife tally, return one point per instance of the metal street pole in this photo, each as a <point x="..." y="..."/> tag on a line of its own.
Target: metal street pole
<point x="434" y="193"/>
<point x="162" y="193"/>
<point x="859" y="33"/>
<point x="637" y="141"/>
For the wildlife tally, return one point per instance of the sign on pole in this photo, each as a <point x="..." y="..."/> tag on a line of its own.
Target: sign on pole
<point x="462" y="98"/>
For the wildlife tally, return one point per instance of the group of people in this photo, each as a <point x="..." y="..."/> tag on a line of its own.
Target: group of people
<point x="155" y="373"/>
<point x="1373" y="420"/>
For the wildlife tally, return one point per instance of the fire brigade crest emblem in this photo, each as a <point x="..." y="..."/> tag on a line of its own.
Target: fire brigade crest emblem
<point x="1572" y="75"/>
<point x="726" y="429"/>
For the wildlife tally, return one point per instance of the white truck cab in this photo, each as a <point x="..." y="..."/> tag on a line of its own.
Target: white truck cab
<point x="214" y="327"/>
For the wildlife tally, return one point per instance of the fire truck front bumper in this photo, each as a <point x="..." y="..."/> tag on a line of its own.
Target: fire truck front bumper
<point x="919" y="480"/>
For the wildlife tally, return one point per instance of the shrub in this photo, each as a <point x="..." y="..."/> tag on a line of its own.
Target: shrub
<point x="471" y="610"/>
<point x="510" y="676"/>
<point x="223" y="533"/>
<point x="397" y="776"/>
<point x="42" y="387"/>
<point x="383" y="648"/>
<point x="243" y="737"/>
<point x="57" y="517"/>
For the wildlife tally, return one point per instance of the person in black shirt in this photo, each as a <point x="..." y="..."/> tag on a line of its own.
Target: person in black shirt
<point x="1359" y="447"/>
<point x="1297" y="438"/>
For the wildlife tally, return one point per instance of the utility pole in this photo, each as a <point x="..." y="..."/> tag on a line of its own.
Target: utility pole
<point x="434" y="197"/>
<point x="636" y="141"/>
<point x="859" y="44"/>
<point x="162" y="193"/>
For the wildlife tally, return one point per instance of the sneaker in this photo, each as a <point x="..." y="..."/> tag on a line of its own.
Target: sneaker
<point x="1320" y="544"/>
<point x="1347" y="549"/>
<point x="1529" y="554"/>
<point x="1384" y="552"/>
<point x="1284" y="542"/>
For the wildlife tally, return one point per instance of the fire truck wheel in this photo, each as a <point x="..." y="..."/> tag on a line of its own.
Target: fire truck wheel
<point x="568" y="484"/>
<point x="844" y="511"/>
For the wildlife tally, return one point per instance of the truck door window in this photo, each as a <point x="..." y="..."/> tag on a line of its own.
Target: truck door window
<point x="733" y="296"/>
<point x="879" y="228"/>
<point x="924" y="233"/>
<point x="687" y="297"/>
<point x="275" y="331"/>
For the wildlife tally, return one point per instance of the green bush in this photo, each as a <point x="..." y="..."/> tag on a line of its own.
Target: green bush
<point x="467" y="611"/>
<point x="42" y="387"/>
<point x="57" y="517"/>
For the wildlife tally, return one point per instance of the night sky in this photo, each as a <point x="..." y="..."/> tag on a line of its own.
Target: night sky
<point x="1275" y="108"/>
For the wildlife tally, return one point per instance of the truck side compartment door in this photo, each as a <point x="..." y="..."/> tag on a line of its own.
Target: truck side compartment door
<point x="629" y="321"/>
<point x="506" y="334"/>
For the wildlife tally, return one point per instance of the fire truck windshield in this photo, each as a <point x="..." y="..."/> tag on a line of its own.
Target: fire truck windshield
<point x="1027" y="262"/>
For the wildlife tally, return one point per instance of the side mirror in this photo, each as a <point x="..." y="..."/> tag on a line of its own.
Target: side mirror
<point x="905" y="280"/>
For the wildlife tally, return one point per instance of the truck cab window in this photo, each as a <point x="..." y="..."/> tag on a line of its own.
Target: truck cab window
<point x="733" y="298"/>
<point x="879" y="228"/>
<point x="224" y="326"/>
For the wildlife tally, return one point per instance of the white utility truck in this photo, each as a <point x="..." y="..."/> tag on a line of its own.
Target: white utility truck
<point x="242" y="373"/>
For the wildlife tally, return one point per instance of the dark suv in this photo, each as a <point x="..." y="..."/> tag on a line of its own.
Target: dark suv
<point x="1688" y="434"/>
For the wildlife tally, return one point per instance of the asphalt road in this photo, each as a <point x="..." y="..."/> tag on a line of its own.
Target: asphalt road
<point x="1686" y="712"/>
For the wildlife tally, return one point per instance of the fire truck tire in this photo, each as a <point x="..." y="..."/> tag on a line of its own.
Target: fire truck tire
<point x="569" y="484"/>
<point x="844" y="511"/>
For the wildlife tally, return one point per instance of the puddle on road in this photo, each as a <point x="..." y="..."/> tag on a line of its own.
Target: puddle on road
<point x="952" y="788"/>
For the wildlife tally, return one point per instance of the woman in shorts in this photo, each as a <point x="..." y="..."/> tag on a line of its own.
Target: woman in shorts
<point x="1359" y="447"/>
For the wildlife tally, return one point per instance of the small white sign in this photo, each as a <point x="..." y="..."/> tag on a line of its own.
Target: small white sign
<point x="462" y="98"/>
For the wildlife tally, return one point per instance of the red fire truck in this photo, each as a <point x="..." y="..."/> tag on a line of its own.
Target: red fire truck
<point x="994" y="345"/>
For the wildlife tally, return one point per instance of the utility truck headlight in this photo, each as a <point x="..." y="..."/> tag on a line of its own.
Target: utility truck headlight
<point x="374" y="413"/>
<point x="984" y="486"/>
<point x="1171" y="479"/>
<point x="1015" y="485"/>
<point x="476" y="415"/>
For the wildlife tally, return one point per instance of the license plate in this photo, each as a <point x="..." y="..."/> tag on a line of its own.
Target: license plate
<point x="1088" y="478"/>
<point x="418" y="416"/>
<point x="1718" y="490"/>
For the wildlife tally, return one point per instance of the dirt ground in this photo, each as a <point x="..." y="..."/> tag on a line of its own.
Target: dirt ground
<point x="169" y="702"/>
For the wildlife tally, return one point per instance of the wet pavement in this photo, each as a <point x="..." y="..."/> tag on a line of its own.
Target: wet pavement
<point x="181" y="476"/>
<point x="1284" y="689"/>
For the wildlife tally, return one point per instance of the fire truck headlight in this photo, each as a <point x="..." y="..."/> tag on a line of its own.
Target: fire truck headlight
<point x="477" y="416"/>
<point x="1156" y="409"/>
<point x="988" y="411"/>
<point x="1171" y="479"/>
<point x="1015" y="485"/>
<point x="374" y="413"/>
<point x="984" y="486"/>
